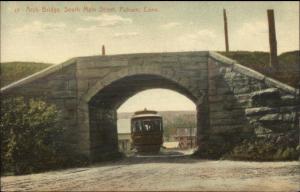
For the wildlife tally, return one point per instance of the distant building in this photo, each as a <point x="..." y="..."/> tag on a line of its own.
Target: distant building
<point x="124" y="135"/>
<point x="124" y="141"/>
<point x="171" y="145"/>
<point x="186" y="137"/>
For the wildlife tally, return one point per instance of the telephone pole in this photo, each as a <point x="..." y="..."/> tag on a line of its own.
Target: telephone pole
<point x="226" y="31"/>
<point x="272" y="39"/>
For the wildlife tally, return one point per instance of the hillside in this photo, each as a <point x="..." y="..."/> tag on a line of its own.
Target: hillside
<point x="13" y="71"/>
<point x="289" y="64"/>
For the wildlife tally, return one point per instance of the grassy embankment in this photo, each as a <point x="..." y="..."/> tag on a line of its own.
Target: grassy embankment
<point x="13" y="71"/>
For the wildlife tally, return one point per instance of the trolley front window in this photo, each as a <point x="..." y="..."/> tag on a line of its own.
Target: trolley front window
<point x="146" y="125"/>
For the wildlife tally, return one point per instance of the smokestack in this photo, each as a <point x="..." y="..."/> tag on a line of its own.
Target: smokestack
<point x="103" y="50"/>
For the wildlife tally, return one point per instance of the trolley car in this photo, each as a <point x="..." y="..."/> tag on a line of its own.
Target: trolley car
<point x="147" y="131"/>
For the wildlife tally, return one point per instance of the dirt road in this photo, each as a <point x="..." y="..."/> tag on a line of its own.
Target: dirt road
<point x="164" y="173"/>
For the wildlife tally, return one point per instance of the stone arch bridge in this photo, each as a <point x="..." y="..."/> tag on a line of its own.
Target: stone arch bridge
<point x="232" y="100"/>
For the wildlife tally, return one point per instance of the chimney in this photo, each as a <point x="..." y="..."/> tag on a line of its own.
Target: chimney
<point x="103" y="50"/>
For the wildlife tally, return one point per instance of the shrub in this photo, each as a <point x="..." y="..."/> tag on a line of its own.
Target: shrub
<point x="30" y="136"/>
<point x="273" y="148"/>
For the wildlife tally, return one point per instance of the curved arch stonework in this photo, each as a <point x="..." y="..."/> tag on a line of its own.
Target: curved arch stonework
<point x="122" y="73"/>
<point x="88" y="90"/>
<point x="179" y="79"/>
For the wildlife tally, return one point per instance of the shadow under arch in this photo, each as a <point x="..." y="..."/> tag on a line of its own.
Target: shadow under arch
<point x="102" y="109"/>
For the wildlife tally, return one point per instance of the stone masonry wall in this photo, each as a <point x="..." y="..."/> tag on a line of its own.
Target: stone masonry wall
<point x="56" y="85"/>
<point x="244" y="101"/>
<point x="233" y="101"/>
<point x="186" y="71"/>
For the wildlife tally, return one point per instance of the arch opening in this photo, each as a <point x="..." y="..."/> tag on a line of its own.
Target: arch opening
<point x="178" y="114"/>
<point x="104" y="105"/>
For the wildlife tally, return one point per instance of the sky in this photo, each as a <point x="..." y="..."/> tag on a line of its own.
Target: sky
<point x="159" y="100"/>
<point x="54" y="32"/>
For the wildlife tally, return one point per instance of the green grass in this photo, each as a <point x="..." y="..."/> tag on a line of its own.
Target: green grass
<point x="13" y="71"/>
<point x="289" y="68"/>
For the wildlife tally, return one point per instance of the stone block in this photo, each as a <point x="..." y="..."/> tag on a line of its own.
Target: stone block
<point x="189" y="73"/>
<point x="215" y="98"/>
<point x="56" y="84"/>
<point x="68" y="71"/>
<point x="248" y="72"/>
<point x="241" y="90"/>
<point x="268" y="97"/>
<point x="190" y="59"/>
<point x="70" y="103"/>
<point x="63" y="94"/>
<point x="274" y="83"/>
<point x="151" y="61"/>
<point x="170" y="59"/>
<point x="218" y="106"/>
<point x="228" y="76"/>
<point x="276" y="124"/>
<point x="260" y="110"/>
<point x="118" y="62"/>
<point x="271" y="117"/>
<point x="86" y="73"/>
<point x="72" y="84"/>
<point x="243" y="96"/>
<point x="289" y="100"/>
<point x="227" y="121"/>
<point x="100" y="61"/>
<point x="213" y="74"/>
<point x="218" y="57"/>
<point x="226" y="129"/>
<point x="223" y="91"/>
<point x="285" y="109"/>
<point x="136" y="61"/>
<point x="289" y="117"/>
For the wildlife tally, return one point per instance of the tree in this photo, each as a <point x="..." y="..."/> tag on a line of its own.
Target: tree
<point x="30" y="136"/>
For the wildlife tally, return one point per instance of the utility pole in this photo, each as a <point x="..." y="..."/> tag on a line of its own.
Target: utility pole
<point x="297" y="116"/>
<point x="272" y="39"/>
<point x="226" y="31"/>
<point x="103" y="50"/>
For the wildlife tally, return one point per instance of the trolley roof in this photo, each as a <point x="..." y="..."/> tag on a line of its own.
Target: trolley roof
<point x="145" y="113"/>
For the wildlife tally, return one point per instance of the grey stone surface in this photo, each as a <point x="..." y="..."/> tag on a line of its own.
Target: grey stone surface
<point x="230" y="98"/>
<point x="260" y="110"/>
<point x="271" y="117"/>
<point x="267" y="97"/>
<point x="247" y="71"/>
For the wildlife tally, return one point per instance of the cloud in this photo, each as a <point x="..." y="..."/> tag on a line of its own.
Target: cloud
<point x="201" y="35"/>
<point x="250" y="36"/>
<point x="170" y="25"/>
<point x="204" y="39"/>
<point x="256" y="28"/>
<point x="38" y="26"/>
<point x="86" y="29"/>
<point x="106" y="20"/>
<point x="125" y="35"/>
